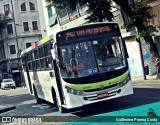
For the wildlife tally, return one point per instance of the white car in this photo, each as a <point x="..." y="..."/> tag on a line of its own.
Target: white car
<point x="8" y="83"/>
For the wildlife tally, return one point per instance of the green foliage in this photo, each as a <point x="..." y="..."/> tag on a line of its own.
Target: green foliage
<point x="141" y="11"/>
<point x="127" y="26"/>
<point x="150" y="30"/>
<point x="98" y="10"/>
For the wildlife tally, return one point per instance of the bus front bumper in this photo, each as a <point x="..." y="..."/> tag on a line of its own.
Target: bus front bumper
<point x="78" y="102"/>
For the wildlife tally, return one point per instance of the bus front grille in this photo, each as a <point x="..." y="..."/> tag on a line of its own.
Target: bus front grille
<point x="110" y="94"/>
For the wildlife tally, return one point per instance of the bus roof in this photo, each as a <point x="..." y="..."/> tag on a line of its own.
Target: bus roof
<point x="37" y="44"/>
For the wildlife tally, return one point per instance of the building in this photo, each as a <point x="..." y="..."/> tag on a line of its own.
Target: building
<point x="3" y="20"/>
<point x="22" y="30"/>
<point x="155" y="10"/>
<point x="42" y="17"/>
<point x="67" y="18"/>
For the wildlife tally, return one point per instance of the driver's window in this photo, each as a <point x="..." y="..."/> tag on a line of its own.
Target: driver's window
<point x="117" y="47"/>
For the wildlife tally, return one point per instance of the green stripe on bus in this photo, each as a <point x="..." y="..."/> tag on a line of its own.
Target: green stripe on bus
<point x="97" y="85"/>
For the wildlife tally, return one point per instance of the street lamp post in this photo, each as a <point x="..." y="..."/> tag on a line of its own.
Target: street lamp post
<point x="141" y="57"/>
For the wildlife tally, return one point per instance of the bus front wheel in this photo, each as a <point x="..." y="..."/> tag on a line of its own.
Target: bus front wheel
<point x="38" y="100"/>
<point x="55" y="101"/>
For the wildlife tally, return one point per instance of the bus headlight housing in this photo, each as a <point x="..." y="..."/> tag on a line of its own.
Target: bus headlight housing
<point x="74" y="92"/>
<point x="124" y="82"/>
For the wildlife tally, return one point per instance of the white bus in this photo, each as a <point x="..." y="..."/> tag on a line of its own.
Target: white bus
<point x="88" y="65"/>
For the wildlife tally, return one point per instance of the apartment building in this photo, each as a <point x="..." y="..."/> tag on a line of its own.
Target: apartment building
<point x="22" y="30"/>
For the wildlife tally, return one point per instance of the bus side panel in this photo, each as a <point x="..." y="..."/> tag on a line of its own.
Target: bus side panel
<point x="44" y="85"/>
<point x="35" y="80"/>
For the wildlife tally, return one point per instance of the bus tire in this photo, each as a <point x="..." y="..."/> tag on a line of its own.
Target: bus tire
<point x="38" y="100"/>
<point x="55" y="101"/>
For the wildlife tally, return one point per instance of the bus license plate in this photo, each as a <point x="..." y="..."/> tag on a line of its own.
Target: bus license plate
<point x="102" y="95"/>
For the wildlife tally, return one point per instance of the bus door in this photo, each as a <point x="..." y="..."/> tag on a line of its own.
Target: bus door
<point x="28" y="75"/>
<point x="57" y="76"/>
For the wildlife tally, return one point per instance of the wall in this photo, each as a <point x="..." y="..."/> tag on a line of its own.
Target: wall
<point x="134" y="59"/>
<point x="42" y="17"/>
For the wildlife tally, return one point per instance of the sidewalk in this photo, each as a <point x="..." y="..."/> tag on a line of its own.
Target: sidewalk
<point x="149" y="79"/>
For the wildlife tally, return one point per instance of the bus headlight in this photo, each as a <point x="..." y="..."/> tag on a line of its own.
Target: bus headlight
<point x="74" y="92"/>
<point x="124" y="82"/>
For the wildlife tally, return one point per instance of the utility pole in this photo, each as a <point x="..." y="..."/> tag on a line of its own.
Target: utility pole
<point x="141" y="56"/>
<point x="140" y="47"/>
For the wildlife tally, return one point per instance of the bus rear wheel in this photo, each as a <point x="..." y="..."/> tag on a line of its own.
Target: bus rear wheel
<point x="38" y="100"/>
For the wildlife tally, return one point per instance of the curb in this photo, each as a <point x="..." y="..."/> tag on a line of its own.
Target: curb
<point x="7" y="109"/>
<point x="146" y="81"/>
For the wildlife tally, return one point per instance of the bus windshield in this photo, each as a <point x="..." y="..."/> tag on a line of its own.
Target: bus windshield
<point x="95" y="56"/>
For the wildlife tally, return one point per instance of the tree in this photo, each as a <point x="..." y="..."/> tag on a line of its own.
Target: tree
<point x="100" y="10"/>
<point x="145" y="31"/>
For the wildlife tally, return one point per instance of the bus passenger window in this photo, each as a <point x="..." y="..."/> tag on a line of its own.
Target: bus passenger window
<point x="29" y="66"/>
<point x="43" y="65"/>
<point x="24" y="67"/>
<point x="47" y="62"/>
<point x="36" y="54"/>
<point x="31" y="56"/>
<point x="33" y="65"/>
<point x="41" y="52"/>
<point x="37" y="64"/>
<point x="50" y="61"/>
<point x="46" y="50"/>
<point x="28" y="57"/>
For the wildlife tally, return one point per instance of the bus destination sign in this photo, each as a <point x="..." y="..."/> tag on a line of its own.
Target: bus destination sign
<point x="89" y="31"/>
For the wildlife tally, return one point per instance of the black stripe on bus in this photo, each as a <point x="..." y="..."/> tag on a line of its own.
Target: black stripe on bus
<point x="97" y="77"/>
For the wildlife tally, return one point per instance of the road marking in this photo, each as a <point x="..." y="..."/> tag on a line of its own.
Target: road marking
<point x="41" y="106"/>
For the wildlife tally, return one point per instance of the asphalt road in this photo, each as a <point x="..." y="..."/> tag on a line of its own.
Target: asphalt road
<point x="26" y="105"/>
<point x="24" y="102"/>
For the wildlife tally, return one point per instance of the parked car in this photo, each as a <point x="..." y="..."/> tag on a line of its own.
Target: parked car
<point x="8" y="83"/>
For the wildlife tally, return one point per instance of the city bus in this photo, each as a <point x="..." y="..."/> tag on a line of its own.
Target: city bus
<point x="83" y="65"/>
